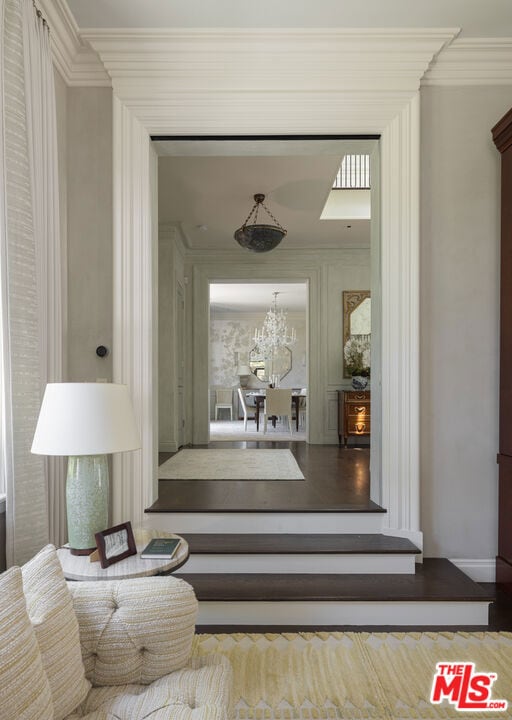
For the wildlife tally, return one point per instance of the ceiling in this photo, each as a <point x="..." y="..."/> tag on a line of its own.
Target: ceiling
<point x="209" y="197"/>
<point x="476" y="18"/>
<point x="257" y="297"/>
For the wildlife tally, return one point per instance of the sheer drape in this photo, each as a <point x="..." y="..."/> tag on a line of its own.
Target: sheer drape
<point x="30" y="275"/>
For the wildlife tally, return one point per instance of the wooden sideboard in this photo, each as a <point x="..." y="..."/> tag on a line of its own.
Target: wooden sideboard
<point x="353" y="414"/>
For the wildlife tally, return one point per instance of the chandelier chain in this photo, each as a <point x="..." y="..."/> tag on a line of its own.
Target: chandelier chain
<point x="254" y="211"/>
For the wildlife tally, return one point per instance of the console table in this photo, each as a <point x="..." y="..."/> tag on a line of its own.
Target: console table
<point x="353" y="414"/>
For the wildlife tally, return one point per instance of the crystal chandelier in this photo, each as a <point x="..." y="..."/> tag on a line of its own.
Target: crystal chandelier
<point x="274" y="332"/>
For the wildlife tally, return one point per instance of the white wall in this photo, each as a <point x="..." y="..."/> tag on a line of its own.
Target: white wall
<point x="89" y="231"/>
<point x="459" y="314"/>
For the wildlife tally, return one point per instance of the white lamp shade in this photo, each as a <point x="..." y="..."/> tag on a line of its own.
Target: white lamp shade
<point x="243" y="370"/>
<point x="85" y="419"/>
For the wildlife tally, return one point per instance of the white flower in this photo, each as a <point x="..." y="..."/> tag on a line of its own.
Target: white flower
<point x="357" y="354"/>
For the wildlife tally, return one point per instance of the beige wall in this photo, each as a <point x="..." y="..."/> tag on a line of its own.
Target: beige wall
<point x="89" y="231"/>
<point x="459" y="319"/>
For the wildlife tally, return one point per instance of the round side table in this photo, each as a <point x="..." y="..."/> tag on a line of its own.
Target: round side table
<point x="79" y="567"/>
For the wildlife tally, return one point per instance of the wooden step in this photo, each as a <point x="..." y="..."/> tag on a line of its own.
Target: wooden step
<point x="439" y="594"/>
<point x="292" y="553"/>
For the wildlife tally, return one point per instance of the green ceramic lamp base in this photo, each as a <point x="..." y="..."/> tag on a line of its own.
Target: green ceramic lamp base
<point x="87" y="501"/>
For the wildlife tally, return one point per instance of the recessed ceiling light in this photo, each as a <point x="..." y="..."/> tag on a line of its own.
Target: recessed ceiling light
<point x="203" y="228"/>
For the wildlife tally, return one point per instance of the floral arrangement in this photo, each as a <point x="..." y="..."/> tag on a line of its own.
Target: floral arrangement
<point x="357" y="355"/>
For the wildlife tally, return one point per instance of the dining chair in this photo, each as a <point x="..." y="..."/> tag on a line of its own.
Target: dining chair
<point x="243" y="406"/>
<point x="302" y="406"/>
<point x="277" y="402"/>
<point x="224" y="401"/>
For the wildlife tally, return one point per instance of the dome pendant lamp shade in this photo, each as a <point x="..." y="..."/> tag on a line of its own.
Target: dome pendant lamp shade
<point x="259" y="237"/>
<point x="85" y="422"/>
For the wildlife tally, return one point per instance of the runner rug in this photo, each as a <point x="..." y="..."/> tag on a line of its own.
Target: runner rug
<point x="383" y="676"/>
<point x="231" y="465"/>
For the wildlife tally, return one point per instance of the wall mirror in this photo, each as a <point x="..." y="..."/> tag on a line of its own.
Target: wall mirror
<point x="280" y="364"/>
<point x="357" y="319"/>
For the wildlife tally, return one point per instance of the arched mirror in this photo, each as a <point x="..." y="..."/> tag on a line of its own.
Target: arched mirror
<point x="280" y="364"/>
<point x="357" y="322"/>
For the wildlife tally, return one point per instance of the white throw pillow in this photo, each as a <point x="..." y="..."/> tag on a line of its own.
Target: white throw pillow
<point x="50" y="608"/>
<point x="24" y="688"/>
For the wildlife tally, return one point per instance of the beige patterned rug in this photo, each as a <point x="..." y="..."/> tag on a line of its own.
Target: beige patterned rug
<point x="384" y="676"/>
<point x="233" y="464"/>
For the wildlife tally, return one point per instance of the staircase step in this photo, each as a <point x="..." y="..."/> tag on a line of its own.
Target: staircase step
<point x="439" y="594"/>
<point x="271" y="543"/>
<point x="367" y="521"/>
<point x="290" y="553"/>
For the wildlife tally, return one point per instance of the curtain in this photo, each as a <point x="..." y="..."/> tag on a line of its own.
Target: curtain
<point x="30" y="276"/>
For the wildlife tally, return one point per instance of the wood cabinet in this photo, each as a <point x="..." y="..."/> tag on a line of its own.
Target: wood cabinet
<point x="353" y="414"/>
<point x="502" y="136"/>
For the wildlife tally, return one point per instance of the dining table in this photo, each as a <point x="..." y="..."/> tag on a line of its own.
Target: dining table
<point x="259" y="399"/>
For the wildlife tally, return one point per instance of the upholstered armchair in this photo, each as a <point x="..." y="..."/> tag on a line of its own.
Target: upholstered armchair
<point x="136" y="639"/>
<point x="109" y="650"/>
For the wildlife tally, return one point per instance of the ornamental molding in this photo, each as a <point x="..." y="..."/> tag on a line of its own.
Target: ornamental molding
<point x="252" y="82"/>
<point x="472" y="61"/>
<point x="272" y="59"/>
<point x="293" y="60"/>
<point x="75" y="60"/>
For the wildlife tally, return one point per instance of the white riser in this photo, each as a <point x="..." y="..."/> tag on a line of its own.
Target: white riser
<point x="223" y="523"/>
<point x="311" y="564"/>
<point x="343" y="613"/>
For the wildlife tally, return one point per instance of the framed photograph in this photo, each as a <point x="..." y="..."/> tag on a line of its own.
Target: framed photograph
<point x="115" y="544"/>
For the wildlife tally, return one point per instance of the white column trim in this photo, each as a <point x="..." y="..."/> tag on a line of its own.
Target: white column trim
<point x="400" y="319"/>
<point x="135" y="333"/>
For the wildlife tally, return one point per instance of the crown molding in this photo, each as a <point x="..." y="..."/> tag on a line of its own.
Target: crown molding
<point x="472" y="61"/>
<point x="321" y="78"/>
<point x="291" y="60"/>
<point x="77" y="63"/>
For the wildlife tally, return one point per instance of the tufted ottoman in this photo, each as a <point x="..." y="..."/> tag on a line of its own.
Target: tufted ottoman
<point x="111" y="650"/>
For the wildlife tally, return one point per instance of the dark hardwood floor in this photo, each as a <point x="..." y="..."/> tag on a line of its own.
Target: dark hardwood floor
<point x="336" y="480"/>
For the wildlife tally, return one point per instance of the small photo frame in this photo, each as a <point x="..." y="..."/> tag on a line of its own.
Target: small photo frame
<point x="115" y="544"/>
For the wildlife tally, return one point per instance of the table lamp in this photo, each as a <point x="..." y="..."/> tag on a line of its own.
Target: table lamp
<point x="85" y="421"/>
<point x="244" y="371"/>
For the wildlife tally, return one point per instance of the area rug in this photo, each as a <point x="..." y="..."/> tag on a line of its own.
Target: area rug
<point x="231" y="465"/>
<point x="226" y="431"/>
<point x="383" y="676"/>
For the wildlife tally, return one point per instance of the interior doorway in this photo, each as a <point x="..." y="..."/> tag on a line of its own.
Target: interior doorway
<point x="259" y="339"/>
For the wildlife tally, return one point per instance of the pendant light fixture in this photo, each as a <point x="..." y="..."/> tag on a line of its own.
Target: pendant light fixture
<point x="257" y="236"/>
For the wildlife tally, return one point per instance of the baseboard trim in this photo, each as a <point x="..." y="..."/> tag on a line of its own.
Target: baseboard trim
<point x="168" y="447"/>
<point x="479" y="570"/>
